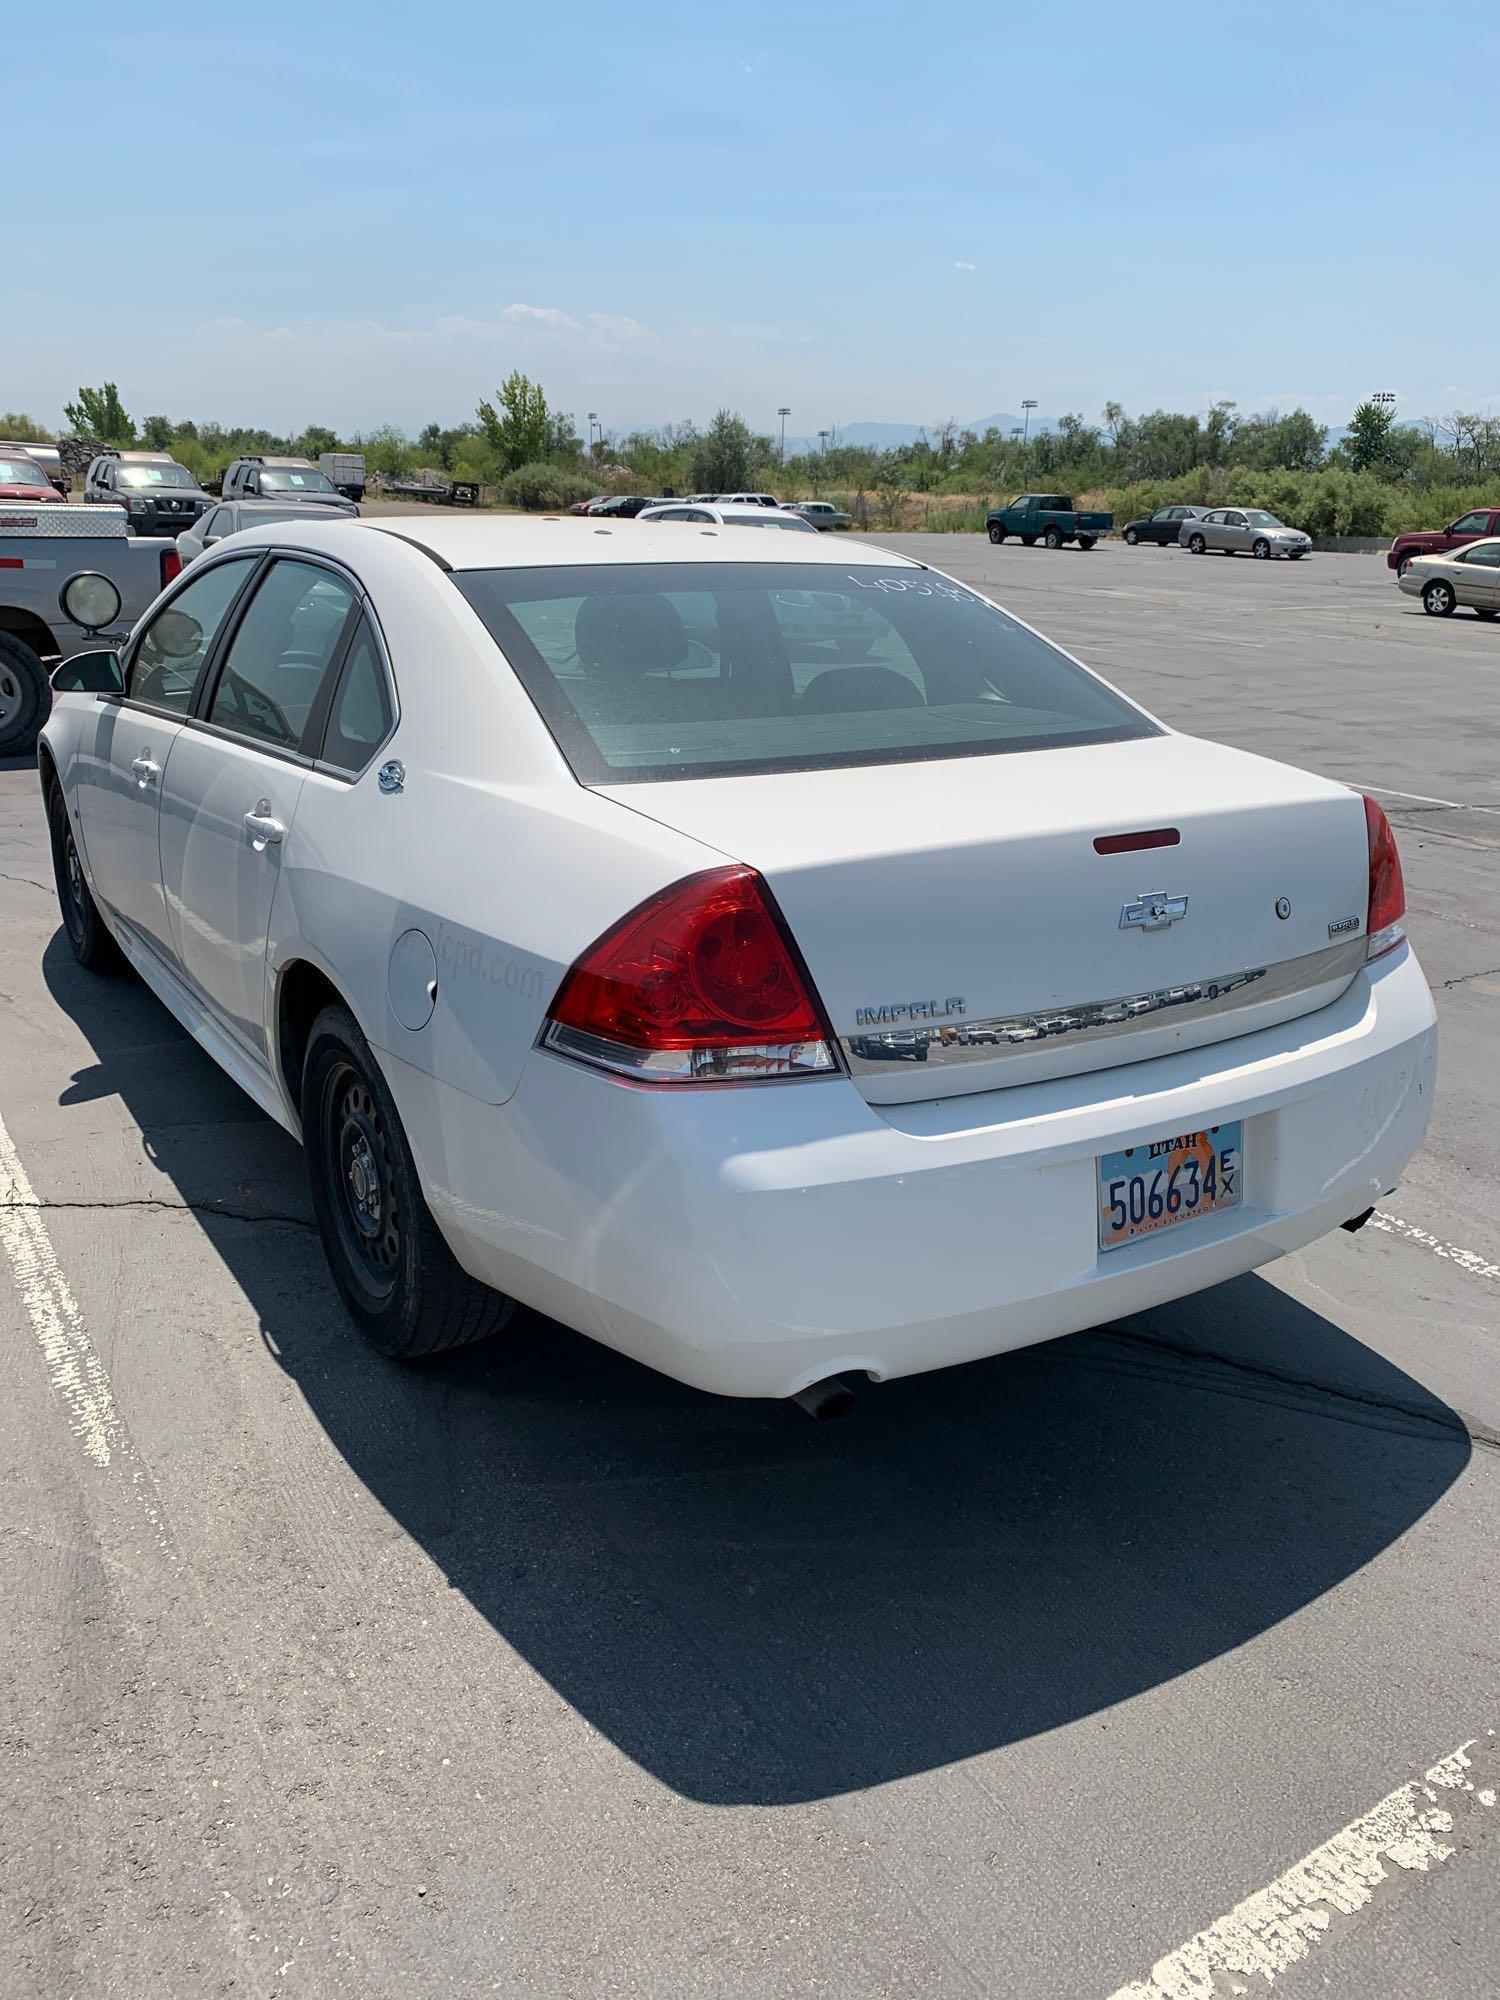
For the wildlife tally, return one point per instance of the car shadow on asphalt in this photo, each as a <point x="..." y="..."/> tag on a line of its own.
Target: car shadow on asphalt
<point x="760" y="1609"/>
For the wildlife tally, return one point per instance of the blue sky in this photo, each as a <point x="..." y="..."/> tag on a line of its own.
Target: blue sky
<point x="350" y="214"/>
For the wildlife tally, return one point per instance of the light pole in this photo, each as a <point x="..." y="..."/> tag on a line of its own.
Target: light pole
<point x="823" y="440"/>
<point x="1386" y="399"/>
<point x="1028" y="404"/>
<point x="783" y="410"/>
<point x="594" y="419"/>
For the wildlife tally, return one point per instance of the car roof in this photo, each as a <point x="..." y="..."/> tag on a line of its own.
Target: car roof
<point x="550" y="540"/>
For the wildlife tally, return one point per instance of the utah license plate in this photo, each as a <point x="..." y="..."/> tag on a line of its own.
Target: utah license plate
<point x="1162" y="1182"/>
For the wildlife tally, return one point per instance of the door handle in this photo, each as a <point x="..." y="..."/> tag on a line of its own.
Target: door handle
<point x="263" y="828"/>
<point x="146" y="771"/>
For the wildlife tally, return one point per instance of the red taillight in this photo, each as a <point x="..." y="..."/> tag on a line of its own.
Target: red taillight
<point x="701" y="981"/>
<point x="171" y="565"/>
<point x="1383" y="927"/>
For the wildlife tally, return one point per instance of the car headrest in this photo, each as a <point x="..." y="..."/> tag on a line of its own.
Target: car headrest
<point x="628" y="637"/>
<point x="840" y="689"/>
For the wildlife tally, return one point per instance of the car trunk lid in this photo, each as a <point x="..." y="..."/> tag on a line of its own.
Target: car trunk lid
<point x="965" y="931"/>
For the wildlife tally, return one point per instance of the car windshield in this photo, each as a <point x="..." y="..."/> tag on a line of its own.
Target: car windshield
<point x="295" y="479"/>
<point x="21" y="472"/>
<point x="1259" y="518"/>
<point x="156" y="475"/>
<point x="688" y="670"/>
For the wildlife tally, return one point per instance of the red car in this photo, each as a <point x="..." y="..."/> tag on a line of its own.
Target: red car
<point x="1437" y="541"/>
<point x="23" y="479"/>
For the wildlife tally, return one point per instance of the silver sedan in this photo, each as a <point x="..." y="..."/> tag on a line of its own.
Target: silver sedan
<point x="1236" y="530"/>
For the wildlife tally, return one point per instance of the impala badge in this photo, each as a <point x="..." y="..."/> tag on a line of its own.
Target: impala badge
<point x="1153" y="911"/>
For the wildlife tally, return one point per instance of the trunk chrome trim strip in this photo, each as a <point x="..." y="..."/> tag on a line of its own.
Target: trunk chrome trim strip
<point x="1099" y="1020"/>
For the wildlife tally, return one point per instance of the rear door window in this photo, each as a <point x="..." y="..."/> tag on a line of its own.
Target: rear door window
<point x="359" y="719"/>
<point x="291" y="636"/>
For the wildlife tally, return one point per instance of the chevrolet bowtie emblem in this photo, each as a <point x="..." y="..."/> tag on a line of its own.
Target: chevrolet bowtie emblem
<point x="1153" y="911"/>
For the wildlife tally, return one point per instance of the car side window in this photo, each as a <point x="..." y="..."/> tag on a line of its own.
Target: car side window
<point x="1471" y="524"/>
<point x="287" y="641"/>
<point x="165" y="665"/>
<point x="1487" y="555"/>
<point x="360" y="717"/>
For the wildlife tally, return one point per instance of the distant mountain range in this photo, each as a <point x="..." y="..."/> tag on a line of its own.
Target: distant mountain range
<point x="886" y="437"/>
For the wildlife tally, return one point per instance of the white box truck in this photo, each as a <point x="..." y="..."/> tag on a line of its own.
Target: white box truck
<point x="346" y="469"/>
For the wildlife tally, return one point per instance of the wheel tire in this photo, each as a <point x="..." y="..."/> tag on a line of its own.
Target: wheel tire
<point x="1197" y="544"/>
<point x="1438" y="600"/>
<point x="25" y="696"/>
<point x="1053" y="538"/>
<point x="997" y="536"/>
<point x="1028" y="541"/>
<point x="1087" y="541"/>
<point x="83" y="926"/>
<point x="397" y="1276"/>
<point x="1131" y="538"/>
<point x="1261" y="548"/>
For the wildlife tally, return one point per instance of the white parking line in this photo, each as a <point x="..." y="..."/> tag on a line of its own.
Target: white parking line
<point x="1466" y="1260"/>
<point x="1422" y="798"/>
<point x="73" y="1366"/>
<point x="1326" y="1890"/>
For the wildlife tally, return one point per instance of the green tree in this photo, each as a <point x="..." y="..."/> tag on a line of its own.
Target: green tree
<point x="386" y="450"/>
<point x="516" y="432"/>
<point x="22" y="429"/>
<point x="157" y="433"/>
<point x="100" y="414"/>
<point x="719" y="460"/>
<point x="1367" y="442"/>
<point x="317" y="439"/>
<point x="563" y="440"/>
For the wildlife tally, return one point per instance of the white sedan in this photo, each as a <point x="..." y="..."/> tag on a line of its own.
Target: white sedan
<point x="725" y="514"/>
<point x="616" y="946"/>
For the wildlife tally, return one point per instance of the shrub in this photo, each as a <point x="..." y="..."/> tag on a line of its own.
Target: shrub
<point x="541" y="488"/>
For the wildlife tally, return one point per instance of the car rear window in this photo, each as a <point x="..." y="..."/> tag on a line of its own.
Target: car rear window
<point x="688" y="670"/>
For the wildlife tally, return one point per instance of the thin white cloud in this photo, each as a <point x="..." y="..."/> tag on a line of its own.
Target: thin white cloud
<point x="552" y="317"/>
<point x="962" y="264"/>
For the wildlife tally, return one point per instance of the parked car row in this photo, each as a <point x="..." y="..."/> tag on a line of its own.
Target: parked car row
<point x="820" y="514"/>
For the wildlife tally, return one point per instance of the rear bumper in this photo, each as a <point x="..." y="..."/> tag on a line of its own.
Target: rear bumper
<point x="752" y="1239"/>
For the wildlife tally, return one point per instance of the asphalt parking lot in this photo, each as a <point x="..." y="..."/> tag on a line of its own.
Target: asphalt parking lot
<point x="529" y="1672"/>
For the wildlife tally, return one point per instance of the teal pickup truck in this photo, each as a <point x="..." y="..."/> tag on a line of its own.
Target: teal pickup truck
<point x="1047" y="517"/>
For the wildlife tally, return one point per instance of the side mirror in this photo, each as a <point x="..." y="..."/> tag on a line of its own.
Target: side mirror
<point x="89" y="673"/>
<point x="90" y="600"/>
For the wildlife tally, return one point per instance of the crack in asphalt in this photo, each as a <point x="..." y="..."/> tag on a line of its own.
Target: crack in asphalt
<point x="1460" y="1425"/>
<point x="1490" y="972"/>
<point x="175" y="1208"/>
<point x="27" y="881"/>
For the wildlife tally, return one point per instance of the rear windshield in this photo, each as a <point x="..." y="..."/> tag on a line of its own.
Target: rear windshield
<point x="689" y="670"/>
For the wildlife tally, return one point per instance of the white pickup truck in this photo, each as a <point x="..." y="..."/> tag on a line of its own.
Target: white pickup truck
<point x="71" y="579"/>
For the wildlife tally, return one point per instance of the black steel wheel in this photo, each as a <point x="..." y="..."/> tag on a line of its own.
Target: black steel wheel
<point x="397" y="1275"/>
<point x="88" y="939"/>
<point x="997" y="535"/>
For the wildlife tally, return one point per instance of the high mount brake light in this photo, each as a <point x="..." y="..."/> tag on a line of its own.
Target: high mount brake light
<point x="1387" y="906"/>
<point x="700" y="983"/>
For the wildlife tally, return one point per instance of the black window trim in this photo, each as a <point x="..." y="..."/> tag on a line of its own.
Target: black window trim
<point x="333" y="687"/>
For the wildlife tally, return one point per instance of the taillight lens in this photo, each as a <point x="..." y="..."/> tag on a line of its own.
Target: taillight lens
<point x="171" y="565"/>
<point x="700" y="983"/>
<point x="1383" y="926"/>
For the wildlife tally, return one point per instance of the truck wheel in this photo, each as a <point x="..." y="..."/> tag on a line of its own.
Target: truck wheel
<point x="1028" y="541"/>
<point x="399" y="1279"/>
<point x="88" y="938"/>
<point x="1131" y="538"/>
<point x="25" y="696"/>
<point x="1197" y="544"/>
<point x="1053" y="538"/>
<point x="1438" y="599"/>
<point x="1406" y="562"/>
<point x="997" y="535"/>
<point x="1087" y="541"/>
